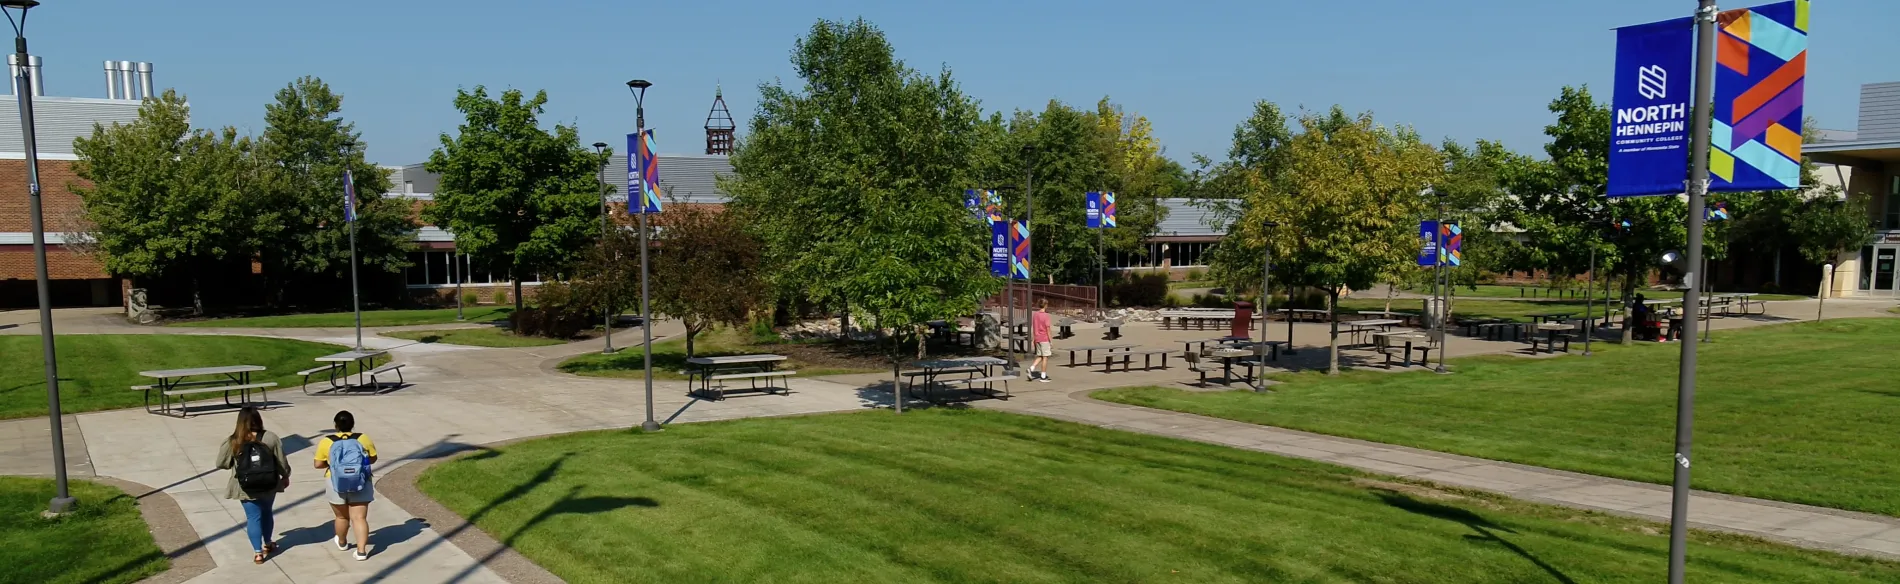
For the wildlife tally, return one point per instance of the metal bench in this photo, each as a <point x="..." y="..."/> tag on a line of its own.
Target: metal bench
<point x="1088" y="357"/>
<point x="1195" y="364"/>
<point x="720" y="391"/>
<point x="330" y="368"/>
<point x="1494" y="331"/>
<point x="1128" y="357"/>
<point x="384" y="370"/>
<point x="988" y="383"/>
<point x="244" y="395"/>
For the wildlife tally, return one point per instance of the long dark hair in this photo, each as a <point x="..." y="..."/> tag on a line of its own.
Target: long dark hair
<point x="250" y="427"/>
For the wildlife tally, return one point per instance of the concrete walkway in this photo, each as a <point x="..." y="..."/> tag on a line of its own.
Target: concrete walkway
<point x="462" y="397"/>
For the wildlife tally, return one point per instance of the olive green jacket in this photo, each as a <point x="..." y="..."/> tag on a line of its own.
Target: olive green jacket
<point x="227" y="460"/>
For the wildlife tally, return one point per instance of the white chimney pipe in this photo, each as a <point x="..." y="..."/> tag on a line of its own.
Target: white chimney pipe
<point x="13" y="74"/>
<point x="125" y="79"/>
<point x="33" y="66"/>
<point x="112" y="80"/>
<point x="145" y="78"/>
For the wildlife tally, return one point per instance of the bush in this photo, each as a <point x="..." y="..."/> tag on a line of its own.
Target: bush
<point x="1171" y="301"/>
<point x="557" y="313"/>
<point x="471" y="299"/>
<point x="501" y="296"/>
<point x="1197" y="275"/>
<point x="1139" y="290"/>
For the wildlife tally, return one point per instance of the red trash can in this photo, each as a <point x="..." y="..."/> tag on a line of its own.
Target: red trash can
<point x="1243" y="319"/>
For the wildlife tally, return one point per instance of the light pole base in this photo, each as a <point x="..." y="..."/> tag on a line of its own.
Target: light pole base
<point x="1441" y="370"/>
<point x="649" y="426"/>
<point x="59" y="506"/>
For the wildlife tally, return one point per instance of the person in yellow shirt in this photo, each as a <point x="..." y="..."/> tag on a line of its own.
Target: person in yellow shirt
<point x="346" y="458"/>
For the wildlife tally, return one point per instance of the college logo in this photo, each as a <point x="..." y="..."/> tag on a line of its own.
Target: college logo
<point x="1652" y="82"/>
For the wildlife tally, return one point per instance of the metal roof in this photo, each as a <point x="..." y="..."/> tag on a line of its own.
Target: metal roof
<point x="60" y="120"/>
<point x="686" y="177"/>
<point x="1185" y="219"/>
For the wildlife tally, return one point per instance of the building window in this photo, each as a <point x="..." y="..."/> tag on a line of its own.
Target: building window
<point x="440" y="269"/>
<point x="1892" y="215"/>
<point x="1866" y="268"/>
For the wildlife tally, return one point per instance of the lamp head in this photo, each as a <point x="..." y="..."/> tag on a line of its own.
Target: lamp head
<point x="600" y="145"/>
<point x="1674" y="259"/>
<point x="640" y="84"/>
<point x="20" y="4"/>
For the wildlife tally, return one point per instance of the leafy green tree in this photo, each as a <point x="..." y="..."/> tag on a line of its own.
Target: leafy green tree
<point x="166" y="201"/>
<point x="1347" y="203"/>
<point x="305" y="242"/>
<point x="514" y="194"/>
<point x="1828" y="227"/>
<point x="854" y="182"/>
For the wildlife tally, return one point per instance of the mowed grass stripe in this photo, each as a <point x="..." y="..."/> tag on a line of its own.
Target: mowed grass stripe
<point x="1800" y="412"/>
<point x="971" y="496"/>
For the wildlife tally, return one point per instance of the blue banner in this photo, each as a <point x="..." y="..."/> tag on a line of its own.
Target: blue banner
<point x="999" y="248"/>
<point x="1095" y="210"/>
<point x="970" y="204"/>
<point x="1428" y="250"/>
<point x="1649" y="125"/>
<point x="643" y="174"/>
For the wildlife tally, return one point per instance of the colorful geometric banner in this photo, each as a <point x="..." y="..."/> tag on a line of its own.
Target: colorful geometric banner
<point x="349" y="199"/>
<point x="1428" y="243"/>
<point x="1718" y="212"/>
<point x="970" y="203"/>
<point x="1649" y="130"/>
<point x="1452" y="253"/>
<point x="1108" y="209"/>
<point x="1018" y="250"/>
<point x="1760" y="73"/>
<point x="1094" y="213"/>
<point x="999" y="249"/>
<point x="643" y="173"/>
<point x="995" y="207"/>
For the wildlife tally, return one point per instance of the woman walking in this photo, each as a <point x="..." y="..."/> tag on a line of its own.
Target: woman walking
<point x="345" y="458"/>
<point x="259" y="472"/>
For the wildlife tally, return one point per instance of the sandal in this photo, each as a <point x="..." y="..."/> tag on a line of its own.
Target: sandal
<point x="270" y="548"/>
<point x="257" y="558"/>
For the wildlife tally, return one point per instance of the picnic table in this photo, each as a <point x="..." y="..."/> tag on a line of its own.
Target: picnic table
<point x="1549" y="316"/>
<point x="977" y="371"/>
<point x="752" y="368"/>
<point x="1227" y="357"/>
<point x="336" y="367"/>
<point x="1202" y="344"/>
<point x="1552" y="331"/>
<point x="1298" y="314"/>
<point x="1199" y="317"/>
<point x="1360" y="327"/>
<point x="1412" y="340"/>
<point x="172" y="383"/>
<point x="1089" y="352"/>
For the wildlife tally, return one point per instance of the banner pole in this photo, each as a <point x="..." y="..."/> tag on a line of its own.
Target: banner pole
<point x="1685" y="376"/>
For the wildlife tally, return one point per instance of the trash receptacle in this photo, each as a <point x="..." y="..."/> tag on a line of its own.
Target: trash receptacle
<point x="1243" y="319"/>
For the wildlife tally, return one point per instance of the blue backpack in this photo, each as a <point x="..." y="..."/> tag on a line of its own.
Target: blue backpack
<point x="349" y="465"/>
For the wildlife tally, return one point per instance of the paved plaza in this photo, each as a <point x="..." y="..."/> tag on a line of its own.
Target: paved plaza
<point x="461" y="397"/>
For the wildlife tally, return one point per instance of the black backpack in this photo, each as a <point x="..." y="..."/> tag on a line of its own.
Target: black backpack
<point x="256" y="468"/>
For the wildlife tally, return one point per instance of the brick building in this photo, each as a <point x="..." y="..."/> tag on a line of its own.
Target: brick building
<point x="76" y="278"/>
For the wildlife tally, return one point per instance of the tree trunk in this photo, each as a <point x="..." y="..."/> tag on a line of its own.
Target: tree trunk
<point x="922" y="338"/>
<point x="897" y="383"/>
<point x="1332" y="313"/>
<point x="691" y="331"/>
<point x="1390" y="291"/>
<point x="197" y="298"/>
<point x="1629" y="310"/>
<point x="844" y="320"/>
<point x="516" y="276"/>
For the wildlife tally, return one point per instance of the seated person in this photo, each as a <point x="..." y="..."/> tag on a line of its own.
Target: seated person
<point x="1645" y="317"/>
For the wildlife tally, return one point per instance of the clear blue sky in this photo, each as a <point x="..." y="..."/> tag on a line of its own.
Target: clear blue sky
<point x="1465" y="69"/>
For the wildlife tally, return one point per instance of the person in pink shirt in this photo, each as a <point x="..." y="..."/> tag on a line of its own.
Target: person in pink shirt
<point x="1039" y="332"/>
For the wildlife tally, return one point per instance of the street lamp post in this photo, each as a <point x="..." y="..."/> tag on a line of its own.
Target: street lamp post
<point x="23" y="91"/>
<point x="606" y="292"/>
<point x="639" y="89"/>
<point x="1442" y="283"/>
<point x="1698" y="189"/>
<point x="349" y="190"/>
<point x="1266" y="294"/>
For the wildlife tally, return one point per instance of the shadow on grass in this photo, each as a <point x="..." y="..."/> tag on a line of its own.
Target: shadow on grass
<point x="1486" y="530"/>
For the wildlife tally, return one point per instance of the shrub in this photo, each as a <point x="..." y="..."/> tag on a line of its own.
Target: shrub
<point x="501" y="296"/>
<point x="1139" y="290"/>
<point x="556" y="313"/>
<point x="1197" y="275"/>
<point x="471" y="298"/>
<point x="1171" y="301"/>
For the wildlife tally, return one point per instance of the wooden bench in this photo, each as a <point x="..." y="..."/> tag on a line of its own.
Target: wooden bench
<point x="1088" y="353"/>
<point x="384" y="370"/>
<point x="988" y="383"/>
<point x="1424" y="357"/>
<point x="1550" y="343"/>
<point x="720" y="392"/>
<point x="1128" y="357"/>
<point x="1494" y="331"/>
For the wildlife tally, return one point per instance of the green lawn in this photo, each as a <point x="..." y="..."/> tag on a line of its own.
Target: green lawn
<point x="1506" y="291"/>
<point x="102" y="541"/>
<point x="971" y="496"/>
<point x="669" y="358"/>
<point x="347" y="319"/>
<point x="478" y="337"/>
<point x="1802" y="412"/>
<point x="96" y="372"/>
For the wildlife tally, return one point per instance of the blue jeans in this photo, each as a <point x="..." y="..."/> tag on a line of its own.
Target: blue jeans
<point x="259" y="522"/>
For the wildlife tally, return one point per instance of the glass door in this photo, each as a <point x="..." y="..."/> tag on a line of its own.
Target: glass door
<point x="1884" y="269"/>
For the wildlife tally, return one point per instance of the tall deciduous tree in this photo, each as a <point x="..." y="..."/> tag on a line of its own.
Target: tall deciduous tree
<point x="854" y="182"/>
<point x="166" y="201"/>
<point x="309" y="146"/>
<point x="1827" y="227"/>
<point x="1347" y="203"/>
<point x="513" y="193"/>
<point x="706" y="270"/>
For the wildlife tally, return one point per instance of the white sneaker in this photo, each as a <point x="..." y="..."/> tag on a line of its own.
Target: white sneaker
<point x="362" y="553"/>
<point x="341" y="545"/>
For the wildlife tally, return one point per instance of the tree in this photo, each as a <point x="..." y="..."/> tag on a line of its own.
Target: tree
<point x="1827" y="227"/>
<point x="706" y="270"/>
<point x="305" y="245"/>
<point x="166" y="201"/>
<point x="514" y="194"/>
<point x="1346" y="200"/>
<point x="854" y="183"/>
